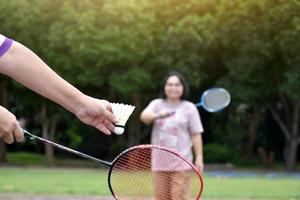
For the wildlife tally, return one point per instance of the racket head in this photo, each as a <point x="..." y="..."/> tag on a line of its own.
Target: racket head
<point x="133" y="174"/>
<point x="215" y="99"/>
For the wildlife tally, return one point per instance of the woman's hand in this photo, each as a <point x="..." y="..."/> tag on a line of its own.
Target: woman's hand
<point x="97" y="113"/>
<point x="199" y="164"/>
<point x="164" y="114"/>
<point x="9" y="127"/>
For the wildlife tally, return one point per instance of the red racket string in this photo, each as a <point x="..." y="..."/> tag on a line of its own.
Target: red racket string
<point x="130" y="171"/>
<point x="133" y="174"/>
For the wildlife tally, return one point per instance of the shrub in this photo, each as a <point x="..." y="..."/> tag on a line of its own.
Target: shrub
<point x="216" y="153"/>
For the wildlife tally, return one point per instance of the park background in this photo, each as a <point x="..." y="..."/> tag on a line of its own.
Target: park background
<point x="119" y="50"/>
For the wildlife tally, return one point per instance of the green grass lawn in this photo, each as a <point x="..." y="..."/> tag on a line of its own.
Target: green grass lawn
<point x="94" y="182"/>
<point x="53" y="181"/>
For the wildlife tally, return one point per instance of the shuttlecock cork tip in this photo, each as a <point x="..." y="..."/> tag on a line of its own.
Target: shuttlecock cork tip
<point x="119" y="130"/>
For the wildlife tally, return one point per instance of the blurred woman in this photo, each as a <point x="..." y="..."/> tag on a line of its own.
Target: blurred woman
<point x="176" y="125"/>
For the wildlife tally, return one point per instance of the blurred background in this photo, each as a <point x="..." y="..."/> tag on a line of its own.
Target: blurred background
<point x="119" y="50"/>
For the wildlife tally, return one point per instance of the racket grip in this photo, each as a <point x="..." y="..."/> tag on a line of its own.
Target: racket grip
<point x="167" y="114"/>
<point x="199" y="105"/>
<point x="172" y="112"/>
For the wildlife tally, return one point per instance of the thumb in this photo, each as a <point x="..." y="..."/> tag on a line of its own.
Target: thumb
<point x="18" y="134"/>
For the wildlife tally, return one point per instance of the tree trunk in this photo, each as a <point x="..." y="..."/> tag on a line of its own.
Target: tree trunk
<point x="252" y="132"/>
<point x="4" y="103"/>
<point x="267" y="158"/>
<point x="46" y="133"/>
<point x="2" y="152"/>
<point x="292" y="144"/>
<point x="290" y="130"/>
<point x="291" y="154"/>
<point x="52" y="131"/>
<point x="135" y="128"/>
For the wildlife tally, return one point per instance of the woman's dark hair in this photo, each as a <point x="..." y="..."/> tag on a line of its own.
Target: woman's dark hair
<point x="183" y="81"/>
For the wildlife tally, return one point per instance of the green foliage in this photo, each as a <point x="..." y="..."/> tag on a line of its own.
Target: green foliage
<point x="130" y="81"/>
<point x="259" y="48"/>
<point x="25" y="158"/>
<point x="72" y="133"/>
<point x="292" y="83"/>
<point x="216" y="153"/>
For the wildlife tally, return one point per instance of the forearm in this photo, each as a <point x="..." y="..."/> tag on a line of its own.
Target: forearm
<point x="198" y="145"/>
<point x="148" y="117"/>
<point x="27" y="68"/>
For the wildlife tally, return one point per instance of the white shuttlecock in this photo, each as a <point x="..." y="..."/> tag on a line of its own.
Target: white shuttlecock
<point x="122" y="112"/>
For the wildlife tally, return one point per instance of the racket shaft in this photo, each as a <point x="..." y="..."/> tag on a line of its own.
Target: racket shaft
<point x="67" y="149"/>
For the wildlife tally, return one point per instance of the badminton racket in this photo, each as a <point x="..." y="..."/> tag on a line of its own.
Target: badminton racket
<point x="214" y="99"/>
<point x="143" y="172"/>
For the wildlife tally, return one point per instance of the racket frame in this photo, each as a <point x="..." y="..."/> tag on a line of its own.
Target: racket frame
<point x="204" y="95"/>
<point x="152" y="146"/>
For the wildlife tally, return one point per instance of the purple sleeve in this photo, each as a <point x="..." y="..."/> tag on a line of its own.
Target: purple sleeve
<point x="6" y="44"/>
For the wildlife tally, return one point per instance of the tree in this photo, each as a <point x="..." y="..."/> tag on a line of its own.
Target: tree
<point x="260" y="61"/>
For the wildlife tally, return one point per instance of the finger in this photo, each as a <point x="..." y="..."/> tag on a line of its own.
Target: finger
<point x="201" y="170"/>
<point x="109" y="125"/>
<point x="200" y="167"/>
<point x="109" y="116"/>
<point x="8" y="138"/>
<point x="109" y="107"/>
<point x="103" y="129"/>
<point x="18" y="134"/>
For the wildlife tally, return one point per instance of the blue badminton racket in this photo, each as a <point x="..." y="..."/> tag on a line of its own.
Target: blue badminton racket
<point x="214" y="99"/>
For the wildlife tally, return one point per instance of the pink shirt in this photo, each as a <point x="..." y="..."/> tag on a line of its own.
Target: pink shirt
<point x="175" y="131"/>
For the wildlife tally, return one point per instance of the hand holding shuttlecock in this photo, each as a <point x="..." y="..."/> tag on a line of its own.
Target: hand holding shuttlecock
<point x="122" y="112"/>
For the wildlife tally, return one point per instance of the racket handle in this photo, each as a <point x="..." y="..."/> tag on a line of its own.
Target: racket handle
<point x="200" y="104"/>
